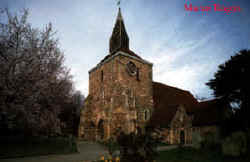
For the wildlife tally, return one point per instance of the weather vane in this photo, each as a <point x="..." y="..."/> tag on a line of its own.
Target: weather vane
<point x="119" y="3"/>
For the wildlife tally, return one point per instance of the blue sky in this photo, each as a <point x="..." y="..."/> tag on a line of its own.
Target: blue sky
<point x="185" y="47"/>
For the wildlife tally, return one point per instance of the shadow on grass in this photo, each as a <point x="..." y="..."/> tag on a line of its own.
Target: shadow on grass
<point x="12" y="147"/>
<point x="188" y="154"/>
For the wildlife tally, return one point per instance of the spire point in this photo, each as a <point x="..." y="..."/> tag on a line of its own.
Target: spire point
<point x="119" y="14"/>
<point x="119" y="38"/>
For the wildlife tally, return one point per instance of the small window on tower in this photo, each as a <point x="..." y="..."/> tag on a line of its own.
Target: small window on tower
<point x="102" y="76"/>
<point x="138" y="74"/>
<point x="150" y="75"/>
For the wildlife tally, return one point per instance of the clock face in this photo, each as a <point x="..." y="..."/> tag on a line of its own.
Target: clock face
<point x="131" y="67"/>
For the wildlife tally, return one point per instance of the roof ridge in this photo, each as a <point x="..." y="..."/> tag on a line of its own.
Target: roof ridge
<point x="173" y="87"/>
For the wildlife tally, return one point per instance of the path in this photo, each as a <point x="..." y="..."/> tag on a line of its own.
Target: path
<point x="88" y="151"/>
<point x="164" y="148"/>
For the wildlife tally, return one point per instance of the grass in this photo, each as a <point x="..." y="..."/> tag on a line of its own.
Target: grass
<point x="22" y="147"/>
<point x="192" y="155"/>
<point x="163" y="144"/>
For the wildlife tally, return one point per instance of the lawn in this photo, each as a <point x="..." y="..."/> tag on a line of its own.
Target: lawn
<point x="192" y="155"/>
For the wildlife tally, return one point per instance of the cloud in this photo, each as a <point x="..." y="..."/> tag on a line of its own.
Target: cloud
<point x="174" y="66"/>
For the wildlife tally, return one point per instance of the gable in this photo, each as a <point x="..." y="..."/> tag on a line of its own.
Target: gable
<point x="181" y="118"/>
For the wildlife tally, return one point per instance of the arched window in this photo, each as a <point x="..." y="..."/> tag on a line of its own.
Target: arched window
<point x="146" y="114"/>
<point x="101" y="128"/>
<point x="138" y="75"/>
<point x="182" y="137"/>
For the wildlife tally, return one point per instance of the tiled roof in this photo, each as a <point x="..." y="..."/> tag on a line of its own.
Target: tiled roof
<point x="166" y="95"/>
<point x="167" y="99"/>
<point x="123" y="50"/>
<point x="208" y="113"/>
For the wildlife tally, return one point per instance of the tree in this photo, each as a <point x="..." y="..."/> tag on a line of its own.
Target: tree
<point x="78" y="99"/>
<point x="231" y="84"/>
<point x="70" y="114"/>
<point x="35" y="85"/>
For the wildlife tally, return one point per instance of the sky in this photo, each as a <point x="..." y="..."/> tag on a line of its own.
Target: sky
<point x="185" y="47"/>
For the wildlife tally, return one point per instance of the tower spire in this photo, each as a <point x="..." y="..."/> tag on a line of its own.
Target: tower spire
<point x="119" y="38"/>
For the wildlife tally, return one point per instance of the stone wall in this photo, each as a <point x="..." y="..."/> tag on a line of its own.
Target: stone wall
<point x="121" y="100"/>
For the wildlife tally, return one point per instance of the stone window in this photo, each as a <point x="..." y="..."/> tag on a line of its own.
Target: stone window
<point x="146" y="114"/>
<point x="103" y="94"/>
<point x="132" y="69"/>
<point x="126" y="100"/>
<point x="150" y="75"/>
<point x="138" y="75"/>
<point x="101" y="129"/>
<point x="140" y="115"/>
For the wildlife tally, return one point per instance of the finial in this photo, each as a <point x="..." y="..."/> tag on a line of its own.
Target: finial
<point x="119" y="3"/>
<point x="119" y="17"/>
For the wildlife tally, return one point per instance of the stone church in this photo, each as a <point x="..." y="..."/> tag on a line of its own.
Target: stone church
<point x="123" y="97"/>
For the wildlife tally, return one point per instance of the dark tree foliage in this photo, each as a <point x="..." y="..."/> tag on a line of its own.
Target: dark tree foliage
<point x="231" y="83"/>
<point x="35" y="85"/>
<point x="70" y="114"/>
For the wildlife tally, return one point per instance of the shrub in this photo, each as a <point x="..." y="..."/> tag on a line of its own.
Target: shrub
<point x="112" y="146"/>
<point x="137" y="147"/>
<point x="73" y="144"/>
<point x="248" y="140"/>
<point x="196" y="139"/>
<point x="210" y="141"/>
<point x="235" y="145"/>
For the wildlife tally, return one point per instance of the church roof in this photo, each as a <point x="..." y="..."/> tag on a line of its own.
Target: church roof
<point x="166" y="95"/>
<point x="167" y="99"/>
<point x="208" y="113"/>
<point x="123" y="52"/>
<point x="128" y="51"/>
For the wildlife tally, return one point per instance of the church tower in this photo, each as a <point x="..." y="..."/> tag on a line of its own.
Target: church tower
<point x="120" y="90"/>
